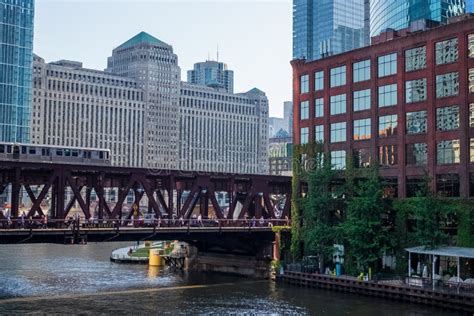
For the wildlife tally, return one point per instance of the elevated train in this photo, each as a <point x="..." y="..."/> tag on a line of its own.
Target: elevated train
<point x="54" y="154"/>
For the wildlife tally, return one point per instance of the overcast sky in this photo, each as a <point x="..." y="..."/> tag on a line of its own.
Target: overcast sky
<point x="254" y="37"/>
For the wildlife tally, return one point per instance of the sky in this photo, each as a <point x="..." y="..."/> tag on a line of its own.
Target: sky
<point x="254" y="37"/>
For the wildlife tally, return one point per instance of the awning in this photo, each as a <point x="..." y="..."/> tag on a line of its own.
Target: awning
<point x="460" y="252"/>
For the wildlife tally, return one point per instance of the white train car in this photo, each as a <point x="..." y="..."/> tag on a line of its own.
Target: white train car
<point x="54" y="154"/>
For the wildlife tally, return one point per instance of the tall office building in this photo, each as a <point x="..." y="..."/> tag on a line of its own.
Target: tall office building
<point x="275" y="124"/>
<point x="323" y="28"/>
<point x="288" y="116"/>
<point x="399" y="14"/>
<point x="213" y="74"/>
<point x="78" y="107"/>
<point x="223" y="132"/>
<point x="154" y="66"/>
<point x="16" y="57"/>
<point x="140" y="110"/>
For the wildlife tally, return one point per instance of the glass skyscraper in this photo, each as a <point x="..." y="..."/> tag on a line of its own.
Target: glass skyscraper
<point x="16" y="58"/>
<point x="327" y="27"/>
<point x="398" y="14"/>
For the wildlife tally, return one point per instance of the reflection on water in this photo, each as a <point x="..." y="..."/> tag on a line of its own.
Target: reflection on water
<point x="80" y="278"/>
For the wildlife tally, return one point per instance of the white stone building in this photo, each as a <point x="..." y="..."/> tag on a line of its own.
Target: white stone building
<point x="223" y="132"/>
<point x="78" y="107"/>
<point x="154" y="66"/>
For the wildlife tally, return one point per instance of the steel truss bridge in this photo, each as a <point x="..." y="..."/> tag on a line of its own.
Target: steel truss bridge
<point x="171" y="194"/>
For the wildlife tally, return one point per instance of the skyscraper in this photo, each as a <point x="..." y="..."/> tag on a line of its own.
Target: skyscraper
<point x="16" y="58"/>
<point x="213" y="74"/>
<point x="398" y="14"/>
<point x="327" y="27"/>
<point x="154" y="66"/>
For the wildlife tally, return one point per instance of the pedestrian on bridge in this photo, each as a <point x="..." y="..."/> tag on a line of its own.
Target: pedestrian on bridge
<point x="199" y="220"/>
<point x="22" y="220"/>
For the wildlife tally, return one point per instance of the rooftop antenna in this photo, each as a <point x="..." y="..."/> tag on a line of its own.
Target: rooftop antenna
<point x="217" y="52"/>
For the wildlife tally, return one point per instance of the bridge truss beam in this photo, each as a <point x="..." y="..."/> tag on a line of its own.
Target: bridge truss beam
<point x="168" y="193"/>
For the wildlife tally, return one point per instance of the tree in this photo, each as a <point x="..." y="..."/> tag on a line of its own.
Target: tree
<point x="366" y="235"/>
<point x="319" y="232"/>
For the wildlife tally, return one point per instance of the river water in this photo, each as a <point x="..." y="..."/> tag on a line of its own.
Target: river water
<point x="48" y="279"/>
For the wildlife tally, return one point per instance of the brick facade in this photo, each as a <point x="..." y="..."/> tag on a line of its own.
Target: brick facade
<point x="401" y="171"/>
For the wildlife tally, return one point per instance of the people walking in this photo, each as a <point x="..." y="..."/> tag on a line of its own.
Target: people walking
<point x="22" y="220"/>
<point x="199" y="220"/>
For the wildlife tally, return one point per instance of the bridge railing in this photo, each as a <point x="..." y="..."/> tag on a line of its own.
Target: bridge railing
<point x="75" y="223"/>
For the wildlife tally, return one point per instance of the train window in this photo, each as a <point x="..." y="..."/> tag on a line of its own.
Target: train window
<point x="2" y="149"/>
<point x="75" y="153"/>
<point x="43" y="151"/>
<point x="32" y="151"/>
<point x="23" y="150"/>
<point x="59" y="152"/>
<point x="67" y="152"/>
<point x="101" y="155"/>
<point x="9" y="149"/>
<point x="87" y="154"/>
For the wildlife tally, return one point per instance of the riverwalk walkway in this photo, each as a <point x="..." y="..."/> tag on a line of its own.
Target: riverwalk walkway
<point x="393" y="290"/>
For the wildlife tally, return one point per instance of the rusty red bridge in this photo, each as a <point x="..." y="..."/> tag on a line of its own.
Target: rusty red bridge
<point x="170" y="195"/>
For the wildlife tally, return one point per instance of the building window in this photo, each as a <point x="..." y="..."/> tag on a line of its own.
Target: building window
<point x="362" y="158"/>
<point x="471" y="115"/>
<point x="304" y="135"/>
<point x="388" y="125"/>
<point x="415" y="58"/>
<point x="470" y="45"/>
<point x="361" y="70"/>
<point x="417" y="154"/>
<point x="447" y="85"/>
<point x="387" y="65"/>
<point x="304" y="84"/>
<point x="304" y="110"/>
<point x="388" y="95"/>
<point x="362" y="100"/>
<point x="338" y="104"/>
<point x="319" y="80"/>
<point x="447" y="51"/>
<point x="338" y="76"/>
<point x="447" y="185"/>
<point x="319" y="133"/>
<point x="415" y="90"/>
<point x="319" y="107"/>
<point x="416" y="122"/>
<point x="471" y="150"/>
<point x="338" y="159"/>
<point x="338" y="132"/>
<point x="471" y="80"/>
<point x="447" y="118"/>
<point x="448" y="152"/>
<point x="388" y="155"/>
<point x="362" y="129"/>
<point x="415" y="186"/>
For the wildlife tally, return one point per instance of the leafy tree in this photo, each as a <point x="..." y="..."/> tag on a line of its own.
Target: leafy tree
<point x="366" y="235"/>
<point x="319" y="231"/>
<point x="429" y="213"/>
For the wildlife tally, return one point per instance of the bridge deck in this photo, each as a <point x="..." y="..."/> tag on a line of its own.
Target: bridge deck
<point x="61" y="235"/>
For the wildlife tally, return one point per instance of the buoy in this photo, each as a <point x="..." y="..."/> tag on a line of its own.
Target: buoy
<point x="155" y="258"/>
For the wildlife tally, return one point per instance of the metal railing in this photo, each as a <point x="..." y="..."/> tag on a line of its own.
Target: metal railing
<point x="442" y="286"/>
<point x="91" y="224"/>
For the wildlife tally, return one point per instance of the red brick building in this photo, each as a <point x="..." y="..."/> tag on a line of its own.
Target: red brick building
<point x="407" y="101"/>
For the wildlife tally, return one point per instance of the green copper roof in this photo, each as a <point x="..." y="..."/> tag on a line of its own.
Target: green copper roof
<point x="142" y="37"/>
